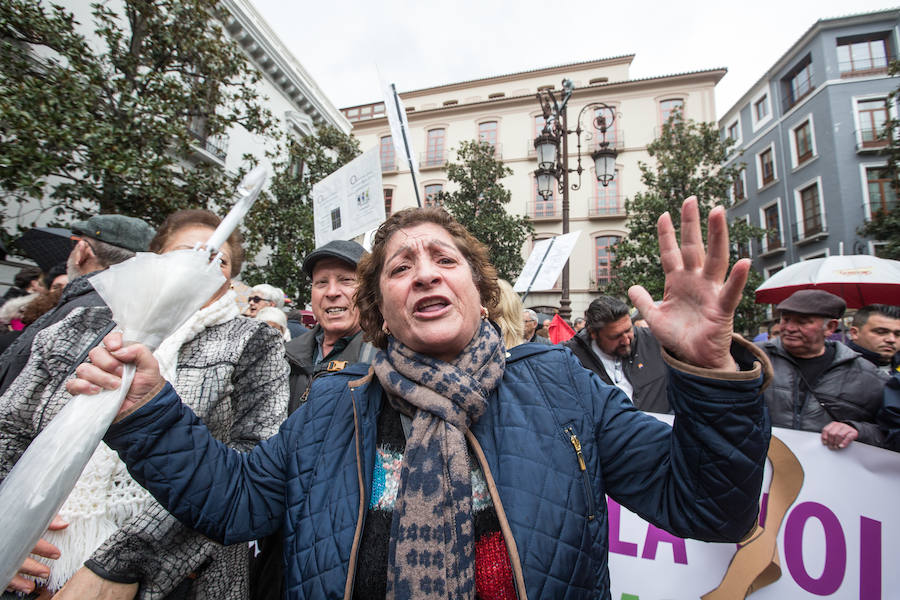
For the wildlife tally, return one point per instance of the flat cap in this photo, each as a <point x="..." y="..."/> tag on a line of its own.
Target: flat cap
<point x="117" y="230"/>
<point x="814" y="302"/>
<point x="348" y="251"/>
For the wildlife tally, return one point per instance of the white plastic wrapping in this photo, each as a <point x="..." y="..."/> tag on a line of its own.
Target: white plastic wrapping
<point x="150" y="296"/>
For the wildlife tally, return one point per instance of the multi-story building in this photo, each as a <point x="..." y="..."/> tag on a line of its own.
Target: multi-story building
<point x="504" y="111"/>
<point x="289" y="92"/>
<point x="810" y="136"/>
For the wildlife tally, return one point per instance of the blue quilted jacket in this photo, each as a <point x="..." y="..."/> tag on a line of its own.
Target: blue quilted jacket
<point x="552" y="442"/>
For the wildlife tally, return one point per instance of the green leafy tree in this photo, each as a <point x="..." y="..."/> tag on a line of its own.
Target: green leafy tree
<point x="688" y="162"/>
<point x="885" y="225"/>
<point x="281" y="222"/>
<point x="479" y="204"/>
<point x="110" y="120"/>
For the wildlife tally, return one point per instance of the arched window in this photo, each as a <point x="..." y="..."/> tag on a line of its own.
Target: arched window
<point x="604" y="252"/>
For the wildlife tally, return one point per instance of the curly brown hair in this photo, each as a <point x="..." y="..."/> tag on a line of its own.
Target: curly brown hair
<point x="193" y="217"/>
<point x="368" y="273"/>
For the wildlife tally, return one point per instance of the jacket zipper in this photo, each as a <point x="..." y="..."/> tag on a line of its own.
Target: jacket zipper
<point x="357" y="538"/>
<point x="589" y="496"/>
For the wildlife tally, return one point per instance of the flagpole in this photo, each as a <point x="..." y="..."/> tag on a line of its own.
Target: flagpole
<point x="412" y="171"/>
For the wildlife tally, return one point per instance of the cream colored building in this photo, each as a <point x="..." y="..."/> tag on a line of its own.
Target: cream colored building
<point x="504" y="110"/>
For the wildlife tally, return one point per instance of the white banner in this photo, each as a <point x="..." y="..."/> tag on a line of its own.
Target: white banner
<point x="396" y="114"/>
<point x="839" y="539"/>
<point x="349" y="202"/>
<point x="546" y="260"/>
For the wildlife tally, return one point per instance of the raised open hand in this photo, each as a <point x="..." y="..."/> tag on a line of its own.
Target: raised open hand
<point x="695" y="319"/>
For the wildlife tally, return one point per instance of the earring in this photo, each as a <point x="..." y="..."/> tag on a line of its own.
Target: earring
<point x="484" y="313"/>
<point x="385" y="329"/>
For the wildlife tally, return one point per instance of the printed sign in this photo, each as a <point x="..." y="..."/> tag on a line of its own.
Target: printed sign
<point x="545" y="263"/>
<point x="349" y="202"/>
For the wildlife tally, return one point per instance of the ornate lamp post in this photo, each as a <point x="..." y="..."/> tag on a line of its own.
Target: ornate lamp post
<point x="553" y="165"/>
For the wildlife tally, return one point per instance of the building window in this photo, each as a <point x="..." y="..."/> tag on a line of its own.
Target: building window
<point x="604" y="248"/>
<point x="544" y="207"/>
<point x="608" y="203"/>
<point x="539" y="123"/>
<point x="862" y="54"/>
<point x="882" y="196"/>
<point x="734" y="131"/>
<point x="743" y="248"/>
<point x="811" y="210"/>
<point x="386" y="149"/>
<point x="803" y="142"/>
<point x="738" y="187"/>
<point x="772" y="222"/>
<point x="798" y="82"/>
<point x="767" y="166"/>
<point x="388" y="201"/>
<point x="667" y="107"/>
<point x="431" y="194"/>
<point x="872" y="114"/>
<point x="434" y="144"/>
<point x="761" y="108"/>
<point x="487" y="132"/>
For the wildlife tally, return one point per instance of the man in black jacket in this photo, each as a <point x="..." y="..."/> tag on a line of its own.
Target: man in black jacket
<point x="622" y="355"/>
<point x="102" y="241"/>
<point x="875" y="333"/>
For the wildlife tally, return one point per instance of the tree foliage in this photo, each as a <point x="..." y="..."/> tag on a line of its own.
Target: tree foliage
<point x="108" y="120"/>
<point x="688" y="162"/>
<point x="281" y="222"/>
<point x="479" y="204"/>
<point x="885" y="225"/>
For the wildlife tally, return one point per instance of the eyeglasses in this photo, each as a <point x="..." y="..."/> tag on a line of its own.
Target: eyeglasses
<point x="257" y="299"/>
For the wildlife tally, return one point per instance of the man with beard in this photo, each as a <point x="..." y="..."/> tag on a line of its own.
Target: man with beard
<point x="622" y="355"/>
<point x="102" y="241"/>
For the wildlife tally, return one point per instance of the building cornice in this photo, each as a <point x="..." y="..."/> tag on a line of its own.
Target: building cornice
<point x="791" y="54"/>
<point x="713" y="76"/>
<point x="248" y="28"/>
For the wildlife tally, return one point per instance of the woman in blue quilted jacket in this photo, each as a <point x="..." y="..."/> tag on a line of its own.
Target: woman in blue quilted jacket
<point x="455" y="468"/>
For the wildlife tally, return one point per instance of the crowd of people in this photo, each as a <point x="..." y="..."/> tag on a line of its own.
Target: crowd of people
<point x="423" y="437"/>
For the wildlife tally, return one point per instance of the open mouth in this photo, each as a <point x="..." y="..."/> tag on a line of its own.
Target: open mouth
<point x="431" y="306"/>
<point x="336" y="310"/>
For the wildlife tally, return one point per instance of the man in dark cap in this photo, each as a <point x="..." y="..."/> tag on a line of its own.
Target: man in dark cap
<point x="821" y="385"/>
<point x="102" y="241"/>
<point x="332" y="344"/>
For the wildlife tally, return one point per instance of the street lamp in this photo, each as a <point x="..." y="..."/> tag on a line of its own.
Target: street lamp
<point x="553" y="166"/>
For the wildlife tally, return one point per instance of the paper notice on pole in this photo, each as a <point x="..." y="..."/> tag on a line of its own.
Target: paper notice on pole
<point x="349" y="202"/>
<point x="543" y="267"/>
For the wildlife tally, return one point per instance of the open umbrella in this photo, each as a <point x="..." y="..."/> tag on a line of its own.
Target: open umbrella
<point x="859" y="279"/>
<point x="47" y="246"/>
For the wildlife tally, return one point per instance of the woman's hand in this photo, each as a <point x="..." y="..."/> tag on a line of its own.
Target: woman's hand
<point x="33" y="567"/>
<point x="105" y="372"/>
<point x="87" y="584"/>
<point x="695" y="319"/>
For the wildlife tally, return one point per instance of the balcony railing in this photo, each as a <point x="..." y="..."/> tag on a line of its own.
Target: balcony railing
<point x="600" y="278"/>
<point x="388" y="167"/>
<point x="869" y="139"/>
<point x="862" y="68"/>
<point x="607" y="207"/>
<point x="550" y="209"/>
<point x="431" y="160"/>
<point x="216" y="145"/>
<point x="808" y="231"/>
<point x="769" y="246"/>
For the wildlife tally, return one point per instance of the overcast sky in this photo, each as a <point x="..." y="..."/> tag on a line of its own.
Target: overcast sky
<point x="426" y="43"/>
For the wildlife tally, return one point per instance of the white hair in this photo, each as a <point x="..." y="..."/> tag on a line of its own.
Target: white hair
<point x="276" y="316"/>
<point x="269" y="292"/>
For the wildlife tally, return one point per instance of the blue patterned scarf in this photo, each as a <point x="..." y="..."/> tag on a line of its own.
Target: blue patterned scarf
<point x="432" y="548"/>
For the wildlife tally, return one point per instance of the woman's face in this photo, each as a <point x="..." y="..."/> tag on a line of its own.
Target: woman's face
<point x="187" y="238"/>
<point x="428" y="296"/>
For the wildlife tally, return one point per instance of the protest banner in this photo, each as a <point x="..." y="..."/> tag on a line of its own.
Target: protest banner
<point x="545" y="263"/>
<point x="838" y="538"/>
<point x="349" y="202"/>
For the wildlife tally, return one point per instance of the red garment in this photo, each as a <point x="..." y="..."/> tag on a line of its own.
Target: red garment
<point x="560" y="331"/>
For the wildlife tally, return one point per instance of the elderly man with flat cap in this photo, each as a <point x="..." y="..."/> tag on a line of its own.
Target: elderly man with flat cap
<point x="101" y="241"/>
<point x="821" y="385"/>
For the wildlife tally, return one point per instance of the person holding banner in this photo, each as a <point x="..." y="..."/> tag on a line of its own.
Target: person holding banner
<point x="455" y="468"/>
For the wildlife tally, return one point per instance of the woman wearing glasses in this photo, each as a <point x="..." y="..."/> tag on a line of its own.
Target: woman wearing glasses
<point x="261" y="296"/>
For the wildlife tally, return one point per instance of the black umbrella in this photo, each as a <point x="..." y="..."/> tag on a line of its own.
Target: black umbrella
<point x="47" y="246"/>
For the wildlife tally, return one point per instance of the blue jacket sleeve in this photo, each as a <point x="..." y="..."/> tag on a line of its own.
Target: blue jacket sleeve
<point x="700" y="478"/>
<point x="227" y="495"/>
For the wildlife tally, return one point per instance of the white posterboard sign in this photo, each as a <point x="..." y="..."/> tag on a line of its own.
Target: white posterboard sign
<point x="560" y="248"/>
<point x="349" y="202"/>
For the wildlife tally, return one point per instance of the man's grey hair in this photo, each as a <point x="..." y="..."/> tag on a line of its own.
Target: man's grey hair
<point x="603" y="311"/>
<point x="530" y="314"/>
<point x="107" y="254"/>
<point x="268" y="292"/>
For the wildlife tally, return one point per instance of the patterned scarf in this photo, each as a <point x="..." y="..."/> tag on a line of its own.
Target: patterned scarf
<point x="432" y="544"/>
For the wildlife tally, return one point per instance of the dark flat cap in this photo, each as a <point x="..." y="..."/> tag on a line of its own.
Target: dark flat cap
<point x="814" y="302"/>
<point x="347" y="251"/>
<point x="117" y="230"/>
